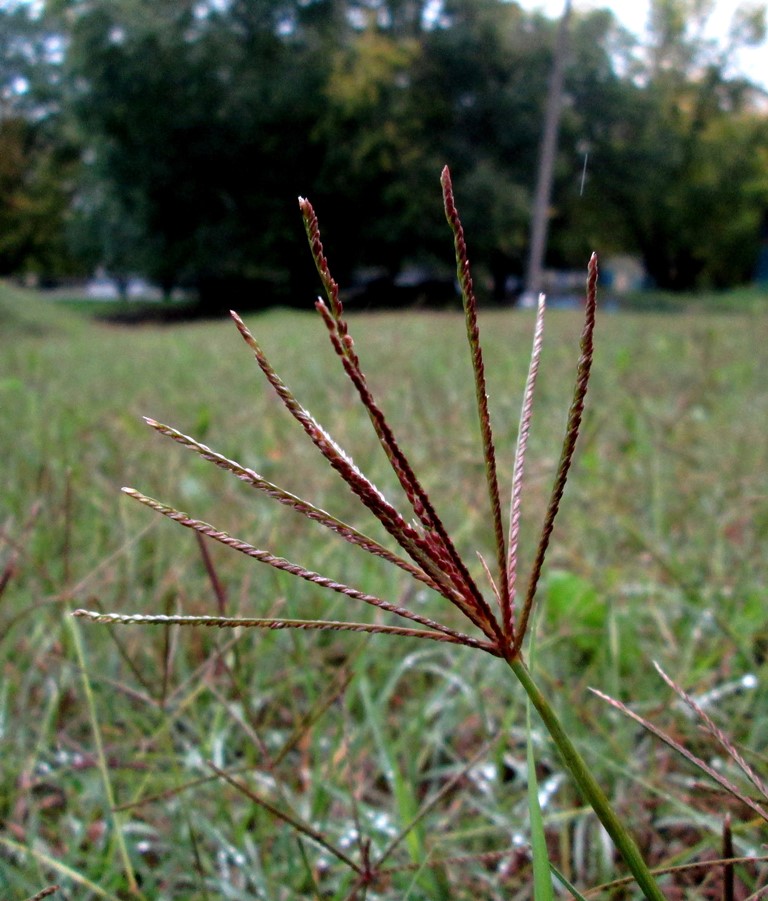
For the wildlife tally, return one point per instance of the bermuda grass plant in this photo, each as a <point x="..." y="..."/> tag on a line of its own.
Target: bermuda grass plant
<point x="499" y="611"/>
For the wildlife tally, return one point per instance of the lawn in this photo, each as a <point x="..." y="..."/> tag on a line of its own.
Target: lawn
<point x="111" y="736"/>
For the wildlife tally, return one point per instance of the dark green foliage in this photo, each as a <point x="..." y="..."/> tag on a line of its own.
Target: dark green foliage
<point x="196" y="123"/>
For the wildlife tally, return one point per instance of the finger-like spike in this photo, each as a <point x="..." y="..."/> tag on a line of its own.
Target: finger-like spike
<point x="572" y="429"/>
<point x="517" y="478"/>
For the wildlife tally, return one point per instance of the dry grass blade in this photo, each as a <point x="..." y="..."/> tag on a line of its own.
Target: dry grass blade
<point x="717" y="733"/>
<point x="219" y="591"/>
<point x="52" y="889"/>
<point x="303" y="828"/>
<point x="688" y="755"/>
<point x="608" y="887"/>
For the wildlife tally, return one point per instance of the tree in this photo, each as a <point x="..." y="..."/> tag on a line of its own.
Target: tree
<point x="480" y="86"/>
<point x="36" y="184"/>
<point x="37" y="157"/>
<point x="200" y="122"/>
<point x="194" y="124"/>
<point x="679" y="169"/>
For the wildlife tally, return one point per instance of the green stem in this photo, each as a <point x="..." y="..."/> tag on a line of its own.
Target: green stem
<point x="588" y="786"/>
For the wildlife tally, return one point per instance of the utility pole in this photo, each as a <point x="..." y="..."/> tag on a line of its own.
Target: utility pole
<point x="547" y="153"/>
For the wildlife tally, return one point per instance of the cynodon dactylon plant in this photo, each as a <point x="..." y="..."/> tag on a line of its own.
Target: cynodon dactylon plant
<point x="426" y="552"/>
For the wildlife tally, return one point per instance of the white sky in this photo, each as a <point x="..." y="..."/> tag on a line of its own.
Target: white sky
<point x="633" y="14"/>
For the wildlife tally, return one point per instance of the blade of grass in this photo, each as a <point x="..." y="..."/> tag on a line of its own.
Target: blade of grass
<point x="689" y="755"/>
<point x="117" y="830"/>
<point x="683" y="868"/>
<point x="57" y="867"/>
<point x="542" y="877"/>
<point x="566" y="883"/>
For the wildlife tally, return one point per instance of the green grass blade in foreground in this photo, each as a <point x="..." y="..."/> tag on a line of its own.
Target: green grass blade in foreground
<point x="566" y="883"/>
<point x="542" y="878"/>
<point x="118" y="837"/>
<point x="405" y="798"/>
<point x="588" y="785"/>
<point x="61" y="869"/>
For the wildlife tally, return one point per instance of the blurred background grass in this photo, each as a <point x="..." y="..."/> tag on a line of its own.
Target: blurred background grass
<point x="659" y="555"/>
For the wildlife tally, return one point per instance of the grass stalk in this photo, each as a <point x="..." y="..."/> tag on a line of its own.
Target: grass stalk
<point x="542" y="879"/>
<point x="54" y="865"/>
<point x="587" y="784"/>
<point x="103" y="766"/>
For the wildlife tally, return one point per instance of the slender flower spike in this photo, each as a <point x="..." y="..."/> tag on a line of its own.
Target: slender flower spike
<point x="473" y="336"/>
<point x="426" y="551"/>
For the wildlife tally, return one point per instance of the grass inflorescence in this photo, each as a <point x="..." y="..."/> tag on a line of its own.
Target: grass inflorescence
<point x="434" y="558"/>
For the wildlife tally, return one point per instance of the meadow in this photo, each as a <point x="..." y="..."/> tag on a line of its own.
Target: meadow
<point x="113" y="738"/>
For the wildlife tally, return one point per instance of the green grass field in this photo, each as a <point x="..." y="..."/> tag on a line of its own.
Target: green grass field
<point x="108" y="734"/>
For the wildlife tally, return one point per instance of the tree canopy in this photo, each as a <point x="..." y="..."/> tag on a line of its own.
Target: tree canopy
<point x="172" y="139"/>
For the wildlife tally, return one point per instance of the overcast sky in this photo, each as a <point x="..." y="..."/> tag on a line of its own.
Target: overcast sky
<point x="634" y="15"/>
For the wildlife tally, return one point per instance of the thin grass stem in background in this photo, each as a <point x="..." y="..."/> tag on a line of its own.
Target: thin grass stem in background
<point x="117" y="827"/>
